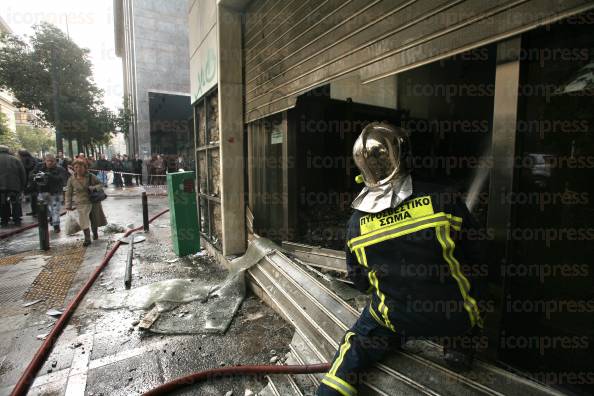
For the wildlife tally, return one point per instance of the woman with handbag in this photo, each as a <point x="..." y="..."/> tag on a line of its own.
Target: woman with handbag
<point x="86" y="190"/>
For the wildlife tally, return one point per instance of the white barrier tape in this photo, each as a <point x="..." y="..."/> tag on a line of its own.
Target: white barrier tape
<point x="126" y="173"/>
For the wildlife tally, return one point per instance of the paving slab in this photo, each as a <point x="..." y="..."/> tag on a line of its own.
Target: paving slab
<point x="127" y="377"/>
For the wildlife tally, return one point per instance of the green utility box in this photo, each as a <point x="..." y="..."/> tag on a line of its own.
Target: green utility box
<point x="185" y="230"/>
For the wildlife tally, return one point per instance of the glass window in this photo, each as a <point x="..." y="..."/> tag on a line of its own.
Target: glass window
<point x="549" y="322"/>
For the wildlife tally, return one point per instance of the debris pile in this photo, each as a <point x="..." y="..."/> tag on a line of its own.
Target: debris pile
<point x="324" y="225"/>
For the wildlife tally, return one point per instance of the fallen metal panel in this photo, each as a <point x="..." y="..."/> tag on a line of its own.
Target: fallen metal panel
<point x="323" y="347"/>
<point x="303" y="300"/>
<point x="317" y="256"/>
<point x="415" y="372"/>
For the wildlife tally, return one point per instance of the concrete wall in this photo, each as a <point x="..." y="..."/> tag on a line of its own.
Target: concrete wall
<point x="156" y="58"/>
<point x="161" y="56"/>
<point x="231" y="130"/>
<point x="203" y="46"/>
<point x="215" y="45"/>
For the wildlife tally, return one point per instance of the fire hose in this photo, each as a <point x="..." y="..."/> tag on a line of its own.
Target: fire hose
<point x="10" y="233"/>
<point x="27" y="378"/>
<point x="235" y="370"/>
<point x="45" y="349"/>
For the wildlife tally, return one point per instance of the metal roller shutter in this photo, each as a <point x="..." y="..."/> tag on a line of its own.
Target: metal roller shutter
<point x="295" y="45"/>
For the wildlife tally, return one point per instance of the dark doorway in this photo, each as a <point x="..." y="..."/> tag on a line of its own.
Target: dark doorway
<point x="171" y="121"/>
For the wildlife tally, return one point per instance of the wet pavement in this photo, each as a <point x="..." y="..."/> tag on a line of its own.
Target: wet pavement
<point x="103" y="351"/>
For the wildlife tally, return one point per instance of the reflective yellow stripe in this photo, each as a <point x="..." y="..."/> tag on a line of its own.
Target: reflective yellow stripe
<point x="339" y="385"/>
<point x="364" y="257"/>
<point x="382" y="305"/>
<point x="455" y="222"/>
<point x="448" y="245"/>
<point x="374" y="284"/>
<point x="374" y="315"/>
<point x="471" y="300"/>
<point x="395" y="234"/>
<point x="343" y="350"/>
<point x="437" y="216"/>
<point x="359" y="259"/>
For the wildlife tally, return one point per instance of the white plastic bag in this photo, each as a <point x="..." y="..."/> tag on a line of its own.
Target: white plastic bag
<point x="71" y="225"/>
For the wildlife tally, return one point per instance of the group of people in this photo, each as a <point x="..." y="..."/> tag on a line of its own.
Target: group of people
<point x="54" y="181"/>
<point x="128" y="171"/>
<point x="125" y="170"/>
<point x="57" y="181"/>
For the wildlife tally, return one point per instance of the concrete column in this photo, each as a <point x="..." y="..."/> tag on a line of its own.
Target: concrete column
<point x="231" y="129"/>
<point x="503" y="147"/>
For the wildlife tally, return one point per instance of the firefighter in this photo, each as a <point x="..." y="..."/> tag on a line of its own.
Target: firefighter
<point x="407" y="243"/>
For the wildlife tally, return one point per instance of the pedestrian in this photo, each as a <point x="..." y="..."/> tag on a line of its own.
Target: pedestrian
<point x="30" y="164"/>
<point x="159" y="167"/>
<point x="397" y="225"/>
<point x="62" y="161"/>
<point x="181" y="163"/>
<point x="49" y="180"/>
<point x="151" y="169"/>
<point x="13" y="180"/>
<point x="138" y="170"/>
<point x="117" y="167"/>
<point x="128" y="165"/>
<point x="92" y="164"/>
<point x="90" y="215"/>
<point x="103" y="166"/>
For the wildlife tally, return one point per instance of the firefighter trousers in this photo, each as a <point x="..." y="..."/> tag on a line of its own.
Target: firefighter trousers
<point x="362" y="346"/>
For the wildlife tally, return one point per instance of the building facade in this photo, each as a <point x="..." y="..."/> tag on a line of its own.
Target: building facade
<point x="151" y="37"/>
<point x="494" y="96"/>
<point x="7" y="100"/>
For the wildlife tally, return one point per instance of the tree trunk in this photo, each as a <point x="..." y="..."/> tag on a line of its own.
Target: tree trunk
<point x="70" y="151"/>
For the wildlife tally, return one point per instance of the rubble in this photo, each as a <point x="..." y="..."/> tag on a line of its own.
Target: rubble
<point x="56" y="313"/>
<point x="324" y="225"/>
<point x="113" y="228"/>
<point x="28" y="304"/>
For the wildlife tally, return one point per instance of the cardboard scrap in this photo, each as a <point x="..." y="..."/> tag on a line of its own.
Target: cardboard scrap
<point x="148" y="319"/>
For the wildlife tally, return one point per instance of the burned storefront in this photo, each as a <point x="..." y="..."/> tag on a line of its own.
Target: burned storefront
<point x="495" y="96"/>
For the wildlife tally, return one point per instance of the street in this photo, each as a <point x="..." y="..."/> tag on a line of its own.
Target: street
<point x="103" y="352"/>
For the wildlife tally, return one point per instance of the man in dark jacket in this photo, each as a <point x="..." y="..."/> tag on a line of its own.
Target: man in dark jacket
<point x="49" y="180"/>
<point x="138" y="169"/>
<point x="408" y="247"/>
<point x="12" y="183"/>
<point x="118" y="168"/>
<point x="128" y="165"/>
<point x="62" y="161"/>
<point x="30" y="163"/>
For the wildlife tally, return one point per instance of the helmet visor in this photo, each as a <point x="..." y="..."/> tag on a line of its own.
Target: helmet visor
<point x="377" y="154"/>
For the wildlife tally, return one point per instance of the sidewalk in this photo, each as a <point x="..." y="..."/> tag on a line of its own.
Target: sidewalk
<point x="103" y="352"/>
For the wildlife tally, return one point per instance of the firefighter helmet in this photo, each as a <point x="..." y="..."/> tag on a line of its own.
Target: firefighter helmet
<point x="382" y="154"/>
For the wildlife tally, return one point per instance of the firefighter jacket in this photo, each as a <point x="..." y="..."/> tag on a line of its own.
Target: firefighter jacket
<point x="416" y="261"/>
